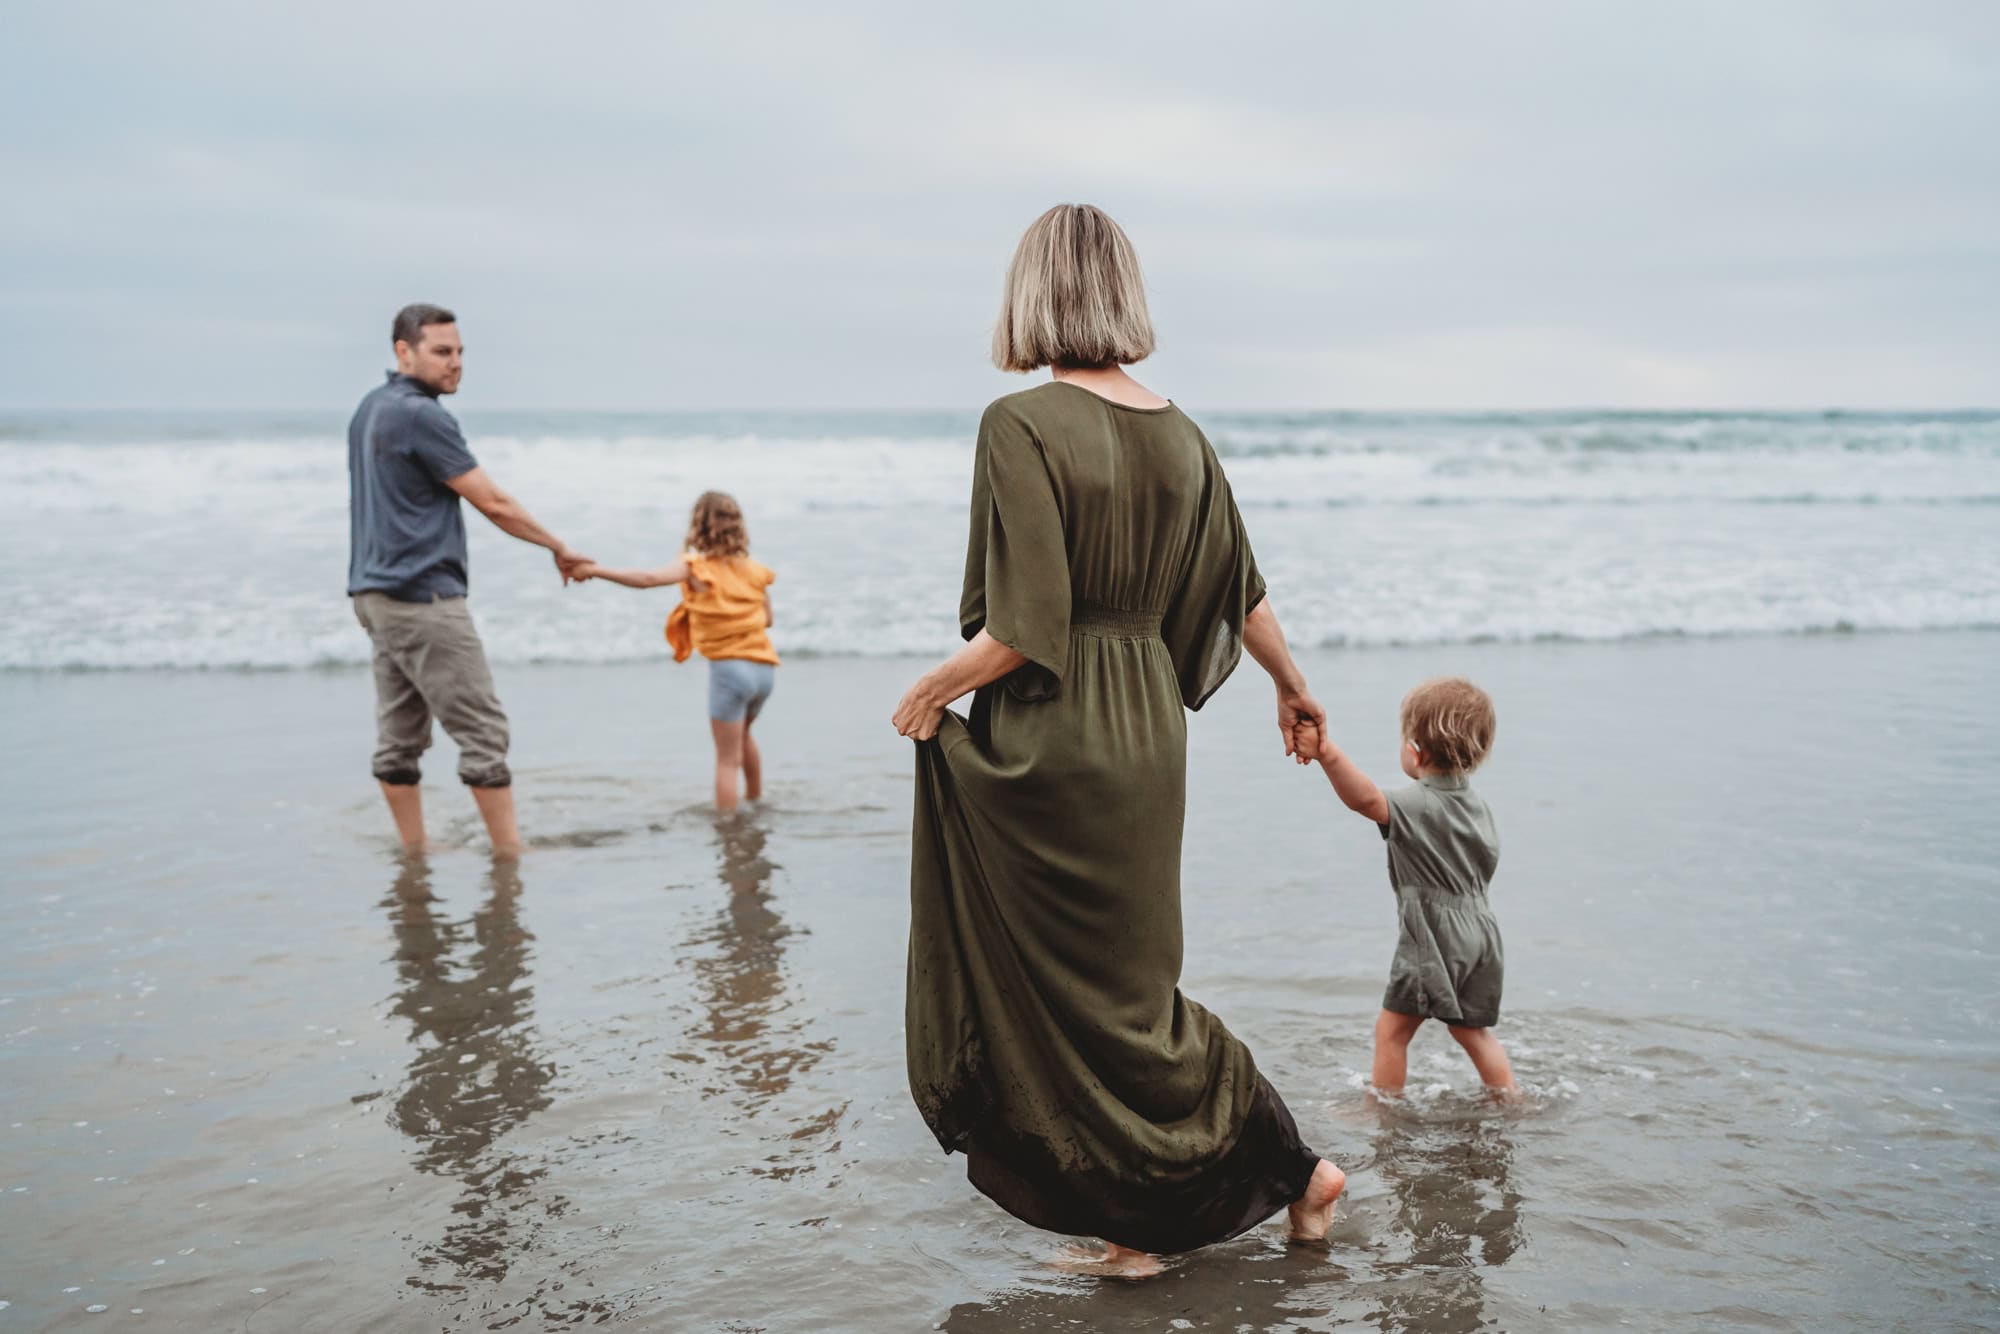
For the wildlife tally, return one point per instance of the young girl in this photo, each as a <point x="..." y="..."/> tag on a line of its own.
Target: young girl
<point x="1442" y="852"/>
<point x="725" y="612"/>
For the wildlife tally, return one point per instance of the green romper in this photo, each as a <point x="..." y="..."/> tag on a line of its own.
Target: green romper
<point x="1442" y="851"/>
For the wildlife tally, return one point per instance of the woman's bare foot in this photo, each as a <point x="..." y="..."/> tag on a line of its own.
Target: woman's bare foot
<point x="1114" y="1261"/>
<point x="1312" y="1213"/>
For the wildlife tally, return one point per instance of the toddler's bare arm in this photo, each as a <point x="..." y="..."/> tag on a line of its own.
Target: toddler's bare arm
<point x="1356" y="790"/>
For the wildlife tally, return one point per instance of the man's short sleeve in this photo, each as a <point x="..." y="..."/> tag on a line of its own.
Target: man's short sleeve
<point x="437" y="445"/>
<point x="1404" y="803"/>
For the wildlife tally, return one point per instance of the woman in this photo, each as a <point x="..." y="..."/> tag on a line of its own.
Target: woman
<point x="1108" y="582"/>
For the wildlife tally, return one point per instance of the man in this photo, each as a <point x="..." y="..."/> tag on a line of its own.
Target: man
<point x="408" y="467"/>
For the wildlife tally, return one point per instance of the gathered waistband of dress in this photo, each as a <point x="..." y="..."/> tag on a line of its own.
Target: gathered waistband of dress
<point x="1093" y="618"/>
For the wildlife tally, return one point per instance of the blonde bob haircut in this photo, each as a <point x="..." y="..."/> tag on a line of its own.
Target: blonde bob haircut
<point x="1074" y="297"/>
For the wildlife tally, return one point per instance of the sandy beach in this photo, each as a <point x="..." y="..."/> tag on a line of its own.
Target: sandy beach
<point x="262" y="1073"/>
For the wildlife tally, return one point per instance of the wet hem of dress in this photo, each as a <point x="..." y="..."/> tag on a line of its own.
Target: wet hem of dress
<point x="1266" y="1170"/>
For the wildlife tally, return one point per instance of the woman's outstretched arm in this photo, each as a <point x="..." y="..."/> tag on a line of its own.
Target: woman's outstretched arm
<point x="1301" y="720"/>
<point x="982" y="660"/>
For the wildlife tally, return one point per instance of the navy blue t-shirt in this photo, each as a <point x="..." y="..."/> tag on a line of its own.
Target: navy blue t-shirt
<point x="407" y="535"/>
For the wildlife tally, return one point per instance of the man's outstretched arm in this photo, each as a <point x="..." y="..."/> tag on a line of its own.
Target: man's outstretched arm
<point x="510" y="516"/>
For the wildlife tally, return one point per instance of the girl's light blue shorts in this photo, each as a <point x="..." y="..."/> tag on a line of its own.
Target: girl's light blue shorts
<point x="737" y="689"/>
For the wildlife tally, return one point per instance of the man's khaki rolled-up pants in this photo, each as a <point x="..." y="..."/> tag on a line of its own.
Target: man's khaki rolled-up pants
<point x="429" y="664"/>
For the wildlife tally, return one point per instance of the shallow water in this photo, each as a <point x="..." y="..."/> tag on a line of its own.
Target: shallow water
<point x="260" y="1072"/>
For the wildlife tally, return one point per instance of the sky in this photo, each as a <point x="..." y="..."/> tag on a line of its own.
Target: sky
<point x="637" y="205"/>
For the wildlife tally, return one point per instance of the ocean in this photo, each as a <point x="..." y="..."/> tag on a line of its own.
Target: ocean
<point x="219" y="541"/>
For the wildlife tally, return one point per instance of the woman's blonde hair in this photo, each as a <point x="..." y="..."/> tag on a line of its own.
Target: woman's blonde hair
<point x="716" y="526"/>
<point x="1074" y="296"/>
<point x="1451" y="720"/>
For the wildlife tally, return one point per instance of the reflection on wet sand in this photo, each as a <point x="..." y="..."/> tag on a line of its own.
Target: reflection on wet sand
<point x="752" y="1033"/>
<point x="476" y="1072"/>
<point x="1255" y="1283"/>
<point x="1456" y="1215"/>
<point x="1412" y="1264"/>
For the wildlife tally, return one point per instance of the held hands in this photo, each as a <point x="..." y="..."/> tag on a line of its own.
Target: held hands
<point x="573" y="566"/>
<point x="1302" y="723"/>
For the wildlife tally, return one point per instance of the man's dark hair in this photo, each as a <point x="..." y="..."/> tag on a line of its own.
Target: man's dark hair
<point x="410" y="322"/>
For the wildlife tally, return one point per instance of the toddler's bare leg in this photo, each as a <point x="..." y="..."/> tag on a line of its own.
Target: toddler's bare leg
<point x="1392" y="1049"/>
<point x="728" y="762"/>
<point x="1489" y="1058"/>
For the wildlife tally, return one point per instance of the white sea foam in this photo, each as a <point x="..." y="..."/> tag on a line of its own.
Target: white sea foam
<point x="186" y="542"/>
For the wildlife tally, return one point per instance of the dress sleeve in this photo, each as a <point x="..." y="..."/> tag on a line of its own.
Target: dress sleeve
<point x="1204" y="625"/>
<point x="1016" y="563"/>
<point x="438" y="445"/>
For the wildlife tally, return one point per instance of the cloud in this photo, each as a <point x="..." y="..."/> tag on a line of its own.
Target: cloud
<point x="1429" y="205"/>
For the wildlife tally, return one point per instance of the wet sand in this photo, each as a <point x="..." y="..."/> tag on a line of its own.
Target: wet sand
<point x="262" y="1072"/>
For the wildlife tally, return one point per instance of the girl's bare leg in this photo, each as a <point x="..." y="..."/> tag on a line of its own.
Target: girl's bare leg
<point x="728" y="761"/>
<point x="753" y="765"/>
<point x="1489" y="1058"/>
<point x="1392" y="1049"/>
<point x="1312" y="1213"/>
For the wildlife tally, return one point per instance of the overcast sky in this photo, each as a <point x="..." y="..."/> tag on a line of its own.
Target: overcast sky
<point x="1344" y="205"/>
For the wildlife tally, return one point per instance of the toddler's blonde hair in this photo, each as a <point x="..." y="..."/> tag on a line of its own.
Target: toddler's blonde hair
<point x="1451" y="720"/>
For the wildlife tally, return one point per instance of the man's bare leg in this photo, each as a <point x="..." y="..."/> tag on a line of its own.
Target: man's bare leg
<point x="406" y="808"/>
<point x="496" y="807"/>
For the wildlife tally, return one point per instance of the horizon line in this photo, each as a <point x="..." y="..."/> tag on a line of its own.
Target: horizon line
<point x="1829" y="409"/>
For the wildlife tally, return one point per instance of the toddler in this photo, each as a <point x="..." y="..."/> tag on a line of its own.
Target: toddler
<point x="725" y="613"/>
<point x="1442" y="851"/>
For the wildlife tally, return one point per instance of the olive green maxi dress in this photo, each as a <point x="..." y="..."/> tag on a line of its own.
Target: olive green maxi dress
<point x="1047" y="1036"/>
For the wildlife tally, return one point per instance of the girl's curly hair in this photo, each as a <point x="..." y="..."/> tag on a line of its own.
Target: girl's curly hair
<point x="716" y="526"/>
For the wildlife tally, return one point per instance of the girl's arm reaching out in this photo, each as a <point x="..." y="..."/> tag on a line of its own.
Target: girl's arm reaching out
<point x="1356" y="790"/>
<point x="660" y="578"/>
